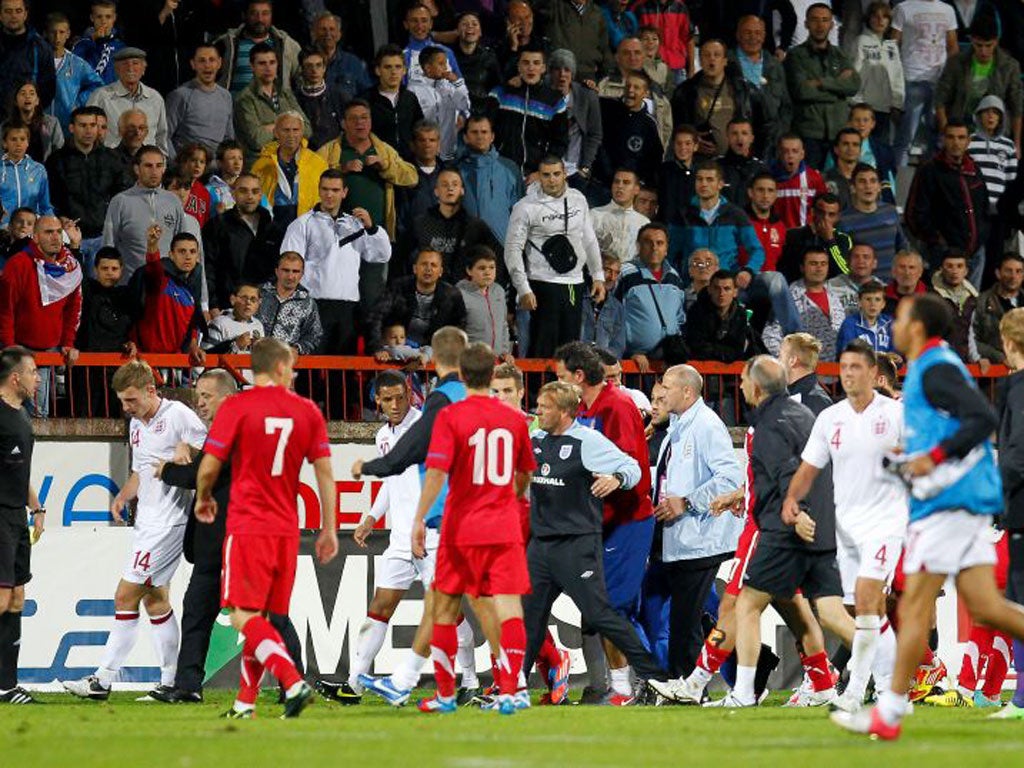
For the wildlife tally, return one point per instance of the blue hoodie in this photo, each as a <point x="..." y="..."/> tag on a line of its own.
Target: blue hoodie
<point x="99" y="54"/>
<point x="24" y="184"/>
<point x="493" y="185"/>
<point x="76" y="79"/>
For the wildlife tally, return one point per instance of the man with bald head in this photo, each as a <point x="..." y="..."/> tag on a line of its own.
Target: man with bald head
<point x="25" y="319"/>
<point x="289" y="172"/>
<point x="696" y="463"/>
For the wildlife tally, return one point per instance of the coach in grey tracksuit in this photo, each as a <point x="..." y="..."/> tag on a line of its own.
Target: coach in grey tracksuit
<point x="577" y="467"/>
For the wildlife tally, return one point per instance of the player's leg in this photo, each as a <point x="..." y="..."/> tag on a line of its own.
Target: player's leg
<point x="977" y="587"/>
<point x="12" y="603"/>
<point x="444" y="645"/>
<point x="509" y="611"/>
<point x="749" y="606"/>
<point x="975" y="659"/>
<point x="165" y="632"/>
<point x="371" y="634"/>
<point x="869" y="608"/>
<point x="540" y="556"/>
<point x="999" y="659"/>
<point x="915" y="612"/>
<point x="690" y="589"/>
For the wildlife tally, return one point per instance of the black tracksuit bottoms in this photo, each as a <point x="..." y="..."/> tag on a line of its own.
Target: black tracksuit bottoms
<point x="574" y="565"/>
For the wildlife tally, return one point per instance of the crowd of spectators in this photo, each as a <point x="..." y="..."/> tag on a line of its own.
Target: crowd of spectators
<point x="668" y="180"/>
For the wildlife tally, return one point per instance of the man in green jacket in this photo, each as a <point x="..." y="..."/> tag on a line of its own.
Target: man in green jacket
<point x="579" y="26"/>
<point x="261" y="101"/>
<point x="820" y="79"/>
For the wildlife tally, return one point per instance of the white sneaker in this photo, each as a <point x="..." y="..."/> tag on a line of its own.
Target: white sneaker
<point x="805" y="689"/>
<point x="847" y="703"/>
<point x="685" y="691"/>
<point x="730" y="701"/>
<point x="818" y="698"/>
<point x="87" y="688"/>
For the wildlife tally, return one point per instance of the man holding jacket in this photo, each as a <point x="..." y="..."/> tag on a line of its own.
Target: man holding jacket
<point x="696" y="464"/>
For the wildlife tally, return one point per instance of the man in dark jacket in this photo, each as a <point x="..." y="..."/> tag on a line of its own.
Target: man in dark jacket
<point x="820" y="233"/>
<point x="394" y="109"/>
<point x="631" y="139"/>
<point x="716" y="325"/>
<point x="421" y="302"/>
<point x="794" y="552"/>
<point x="24" y="56"/>
<point x="739" y="164"/>
<point x="765" y="76"/>
<point x="947" y="209"/>
<point x="203" y="546"/>
<point x="530" y="120"/>
<point x="321" y="101"/>
<point x="993" y="305"/>
<point x="579" y="25"/>
<point x="584" y="116"/>
<point x="799" y="358"/>
<point x="241" y="244"/>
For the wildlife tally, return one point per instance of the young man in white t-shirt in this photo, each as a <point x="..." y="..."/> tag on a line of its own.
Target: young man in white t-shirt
<point x="925" y="30"/>
<point x="157" y="431"/>
<point x="871" y="509"/>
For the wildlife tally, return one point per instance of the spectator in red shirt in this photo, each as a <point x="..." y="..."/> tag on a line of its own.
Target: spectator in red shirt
<point x="41" y="300"/>
<point x="762" y="191"/>
<point x="170" y="288"/>
<point x="798" y="183"/>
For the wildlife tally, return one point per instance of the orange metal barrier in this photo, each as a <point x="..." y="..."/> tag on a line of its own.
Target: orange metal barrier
<point x="342" y="384"/>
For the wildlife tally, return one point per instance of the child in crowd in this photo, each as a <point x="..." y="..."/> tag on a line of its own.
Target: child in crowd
<point x="398" y="348"/>
<point x="443" y="97"/>
<point x="230" y="164"/>
<point x="234" y="332"/>
<point x="654" y="66"/>
<point x="871" y="323"/>
<point x="486" y="314"/>
<point x="23" y="181"/>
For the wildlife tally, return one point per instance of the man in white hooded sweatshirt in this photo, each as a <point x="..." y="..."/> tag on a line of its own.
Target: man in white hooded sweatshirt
<point x="550" y="239"/>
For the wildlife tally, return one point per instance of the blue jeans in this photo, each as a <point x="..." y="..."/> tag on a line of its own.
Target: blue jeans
<point x="976" y="267"/>
<point x="919" y="104"/>
<point x="40" y="406"/>
<point x="773" y="287"/>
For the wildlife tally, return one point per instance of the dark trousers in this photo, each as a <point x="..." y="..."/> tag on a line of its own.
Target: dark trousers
<point x="338" y="319"/>
<point x="690" y="588"/>
<point x="558" y="318"/>
<point x="200" y="608"/>
<point x="575" y="565"/>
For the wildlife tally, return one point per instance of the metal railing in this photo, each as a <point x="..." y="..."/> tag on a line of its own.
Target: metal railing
<point x="342" y="385"/>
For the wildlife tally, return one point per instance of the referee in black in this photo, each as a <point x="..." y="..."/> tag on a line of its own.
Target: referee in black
<point x="19" y="380"/>
<point x="576" y="468"/>
<point x="203" y="547"/>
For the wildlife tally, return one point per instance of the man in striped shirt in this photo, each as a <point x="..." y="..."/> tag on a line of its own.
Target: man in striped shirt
<point x="869" y="220"/>
<point x="996" y="157"/>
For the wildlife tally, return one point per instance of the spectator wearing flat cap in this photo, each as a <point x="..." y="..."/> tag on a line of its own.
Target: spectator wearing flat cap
<point x="129" y="92"/>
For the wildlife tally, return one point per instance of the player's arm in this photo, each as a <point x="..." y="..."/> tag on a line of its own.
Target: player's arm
<point x="433" y="482"/>
<point x="947" y="389"/>
<point x="411" y="448"/>
<point x="612" y="468"/>
<point x="327" y="541"/>
<point x="206" y="477"/>
<point x="128" y="492"/>
<point x="799" y="487"/>
<point x="179" y="475"/>
<point x="522" y="483"/>
<point x="38" y="512"/>
<point x="371" y="518"/>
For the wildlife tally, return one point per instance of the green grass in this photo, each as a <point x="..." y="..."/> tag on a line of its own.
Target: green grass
<point x="122" y="732"/>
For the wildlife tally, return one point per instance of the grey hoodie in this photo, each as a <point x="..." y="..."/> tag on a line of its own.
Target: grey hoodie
<point x="486" y="315"/>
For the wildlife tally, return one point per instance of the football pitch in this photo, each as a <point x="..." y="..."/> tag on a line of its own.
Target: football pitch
<point x="122" y="732"/>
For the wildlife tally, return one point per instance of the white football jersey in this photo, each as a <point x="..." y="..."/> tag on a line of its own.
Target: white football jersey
<point x="870" y="503"/>
<point x="401" y="493"/>
<point x="161" y="505"/>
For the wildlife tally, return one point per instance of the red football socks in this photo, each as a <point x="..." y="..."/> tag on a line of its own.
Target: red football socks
<point x="264" y="643"/>
<point x="443" y="646"/>
<point x="712" y="657"/>
<point x="249" y="685"/>
<point x="817" y="670"/>
<point x="513" y="649"/>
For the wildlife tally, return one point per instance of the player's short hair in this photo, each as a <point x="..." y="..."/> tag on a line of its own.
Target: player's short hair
<point x="447" y="344"/>
<point x="509" y="371"/>
<point x="908" y="254"/>
<point x="225" y="382"/>
<point x="688" y="375"/>
<point x="768" y="374"/>
<point x="268" y="352"/>
<point x="15" y="125"/>
<point x="761" y="177"/>
<point x="805" y="347"/>
<point x="388" y="379"/>
<point x="565" y="396"/>
<point x="933" y="312"/>
<point x="479" y="252"/>
<point x="388" y="51"/>
<point x="862" y="348"/>
<point x="291" y="256"/>
<point x="861" y="168"/>
<point x="580" y="356"/>
<point x="11" y="359"/>
<point x="184" y="237"/>
<point x="685" y="128"/>
<point x="425" y="126"/>
<point x="723" y="274"/>
<point x="1009" y="256"/>
<point x="888" y="368"/>
<point x="476" y="363"/>
<point x="830" y="198"/>
<point x="135" y="373"/>
<point x="1011" y="327"/>
<point x="430" y="53"/>
<point x="846" y="131"/>
<point x="147" y="149"/>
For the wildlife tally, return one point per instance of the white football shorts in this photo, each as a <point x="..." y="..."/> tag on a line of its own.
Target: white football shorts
<point x="154" y="555"/>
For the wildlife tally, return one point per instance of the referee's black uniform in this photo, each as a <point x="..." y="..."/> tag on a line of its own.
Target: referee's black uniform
<point x="564" y="554"/>
<point x="16" y="443"/>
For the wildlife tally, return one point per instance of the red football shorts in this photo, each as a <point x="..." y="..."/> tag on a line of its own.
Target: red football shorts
<point x="493" y="569"/>
<point x="744" y="551"/>
<point x="258" y="572"/>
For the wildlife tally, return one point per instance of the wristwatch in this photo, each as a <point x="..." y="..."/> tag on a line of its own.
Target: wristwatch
<point x="39" y="511"/>
<point x="621" y="478"/>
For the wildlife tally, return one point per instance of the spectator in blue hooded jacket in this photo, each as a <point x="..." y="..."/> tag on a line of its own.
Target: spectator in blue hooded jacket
<point x="493" y="183"/>
<point x="23" y="182"/>
<point x="76" y="78"/>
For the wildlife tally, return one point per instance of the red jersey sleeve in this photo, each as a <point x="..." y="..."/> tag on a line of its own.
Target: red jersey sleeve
<point x="222" y="433"/>
<point x="525" y="461"/>
<point x="442" y="443"/>
<point x="319" y="446"/>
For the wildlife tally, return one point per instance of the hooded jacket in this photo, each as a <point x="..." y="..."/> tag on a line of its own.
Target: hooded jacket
<point x="287" y="63"/>
<point x="295" y="320"/>
<point x="170" y="316"/>
<point x="76" y="80"/>
<point x="24" y="183"/>
<point x="530" y="122"/>
<point x="537" y="217"/>
<point x="310" y="164"/>
<point x="493" y="186"/>
<point x="27" y="57"/>
<point x="727" y="233"/>
<point x="947" y="207"/>
<point x="107" y="317"/>
<point x="486" y="315"/>
<point x="995" y="156"/>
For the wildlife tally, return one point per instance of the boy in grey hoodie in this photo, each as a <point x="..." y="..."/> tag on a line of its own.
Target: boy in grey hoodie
<point x="486" y="308"/>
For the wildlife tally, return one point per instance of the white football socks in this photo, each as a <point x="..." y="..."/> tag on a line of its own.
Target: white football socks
<point x="885" y="658"/>
<point x="408" y="673"/>
<point x="744" y="688"/>
<point x="466" y="655"/>
<point x="166" y="636"/>
<point x="862" y="657"/>
<point x="368" y="645"/>
<point x="119" y="644"/>
<point x="620" y="681"/>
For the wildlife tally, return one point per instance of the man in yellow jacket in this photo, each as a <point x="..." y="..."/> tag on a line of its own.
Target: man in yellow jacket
<point x="288" y="171"/>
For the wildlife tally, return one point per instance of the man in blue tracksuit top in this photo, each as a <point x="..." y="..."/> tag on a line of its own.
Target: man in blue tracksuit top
<point x="955" y="491"/>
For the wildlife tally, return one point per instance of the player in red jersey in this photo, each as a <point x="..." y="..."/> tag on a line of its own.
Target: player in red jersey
<point x="482" y="448"/>
<point x="266" y="432"/>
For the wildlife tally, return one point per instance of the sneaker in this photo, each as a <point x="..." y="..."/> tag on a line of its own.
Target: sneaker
<point x="952" y="698"/>
<point x="435" y="704"/>
<point x="729" y="702"/>
<point x="926" y="678"/>
<point x="592" y="695"/>
<point x="559" y="678"/>
<point x="465" y="696"/>
<point x="87" y="688"/>
<point x="1010" y="712"/>
<point x="239" y="714"/>
<point x="614" y="699"/>
<point x="17" y="695"/>
<point x="386" y="689"/>
<point x="294" y="704"/>
<point x="484" y="700"/>
<point x="806" y="689"/>
<point x="182" y="696"/>
<point x="868" y="722"/>
<point x="685" y="691"/>
<point x="818" y="698"/>
<point x="981" y="701"/>
<point x="522" y="699"/>
<point x="342" y="692"/>
<point x="847" y="702"/>
<point x="162" y="693"/>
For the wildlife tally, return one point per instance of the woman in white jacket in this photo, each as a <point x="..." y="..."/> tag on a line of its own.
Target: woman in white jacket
<point x="877" y="61"/>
